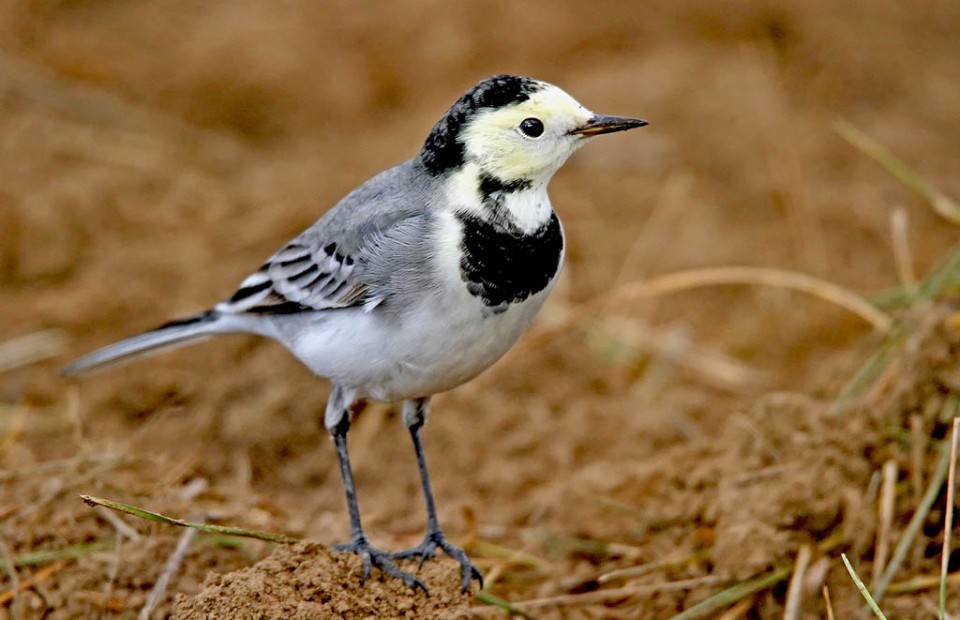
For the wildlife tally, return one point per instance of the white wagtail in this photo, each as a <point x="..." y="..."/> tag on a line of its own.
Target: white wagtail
<point x="419" y="279"/>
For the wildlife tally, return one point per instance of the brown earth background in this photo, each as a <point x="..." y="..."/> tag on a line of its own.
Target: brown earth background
<point x="154" y="153"/>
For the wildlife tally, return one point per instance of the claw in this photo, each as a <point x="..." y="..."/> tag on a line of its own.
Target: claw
<point x="428" y="549"/>
<point x="371" y="556"/>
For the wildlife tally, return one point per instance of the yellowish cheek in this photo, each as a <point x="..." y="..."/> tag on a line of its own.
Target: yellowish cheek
<point x="511" y="162"/>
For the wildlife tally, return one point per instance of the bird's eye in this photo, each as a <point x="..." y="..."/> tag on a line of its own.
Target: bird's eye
<point x="532" y="127"/>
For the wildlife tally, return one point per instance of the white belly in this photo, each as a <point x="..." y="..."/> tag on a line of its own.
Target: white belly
<point x="431" y="348"/>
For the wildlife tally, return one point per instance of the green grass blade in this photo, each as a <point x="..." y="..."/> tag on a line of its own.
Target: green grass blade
<point x="942" y="277"/>
<point x="916" y="522"/>
<point x="485" y="597"/>
<point x="945" y="275"/>
<point x="866" y="374"/>
<point x="863" y="589"/>
<point x="37" y="558"/>
<point x="734" y="594"/>
<point x="943" y="205"/>
<point x="203" y="527"/>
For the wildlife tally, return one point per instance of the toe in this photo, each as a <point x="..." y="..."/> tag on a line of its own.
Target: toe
<point x="470" y="573"/>
<point x="475" y="574"/>
<point x="416" y="584"/>
<point x="370" y="556"/>
<point x="367" y="562"/>
<point x="410" y="580"/>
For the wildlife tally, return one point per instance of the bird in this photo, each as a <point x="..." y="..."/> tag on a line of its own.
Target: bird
<point x="415" y="282"/>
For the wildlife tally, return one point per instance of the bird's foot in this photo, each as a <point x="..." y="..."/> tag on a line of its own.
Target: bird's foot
<point x="428" y="549"/>
<point x="371" y="556"/>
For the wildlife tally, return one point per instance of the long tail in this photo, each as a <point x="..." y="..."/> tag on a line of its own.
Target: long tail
<point x="168" y="336"/>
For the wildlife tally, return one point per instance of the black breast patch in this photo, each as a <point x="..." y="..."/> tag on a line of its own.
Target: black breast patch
<point x="503" y="265"/>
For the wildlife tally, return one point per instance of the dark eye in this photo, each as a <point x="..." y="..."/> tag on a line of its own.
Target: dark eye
<point x="532" y="127"/>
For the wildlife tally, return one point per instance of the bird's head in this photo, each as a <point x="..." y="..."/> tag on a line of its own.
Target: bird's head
<point x="514" y="129"/>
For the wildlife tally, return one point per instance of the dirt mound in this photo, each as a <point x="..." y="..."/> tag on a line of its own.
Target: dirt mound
<point x="307" y="581"/>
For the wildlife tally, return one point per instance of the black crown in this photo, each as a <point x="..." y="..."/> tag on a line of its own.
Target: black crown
<point x="443" y="151"/>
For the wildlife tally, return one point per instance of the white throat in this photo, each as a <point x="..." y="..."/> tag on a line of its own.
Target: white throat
<point x="529" y="209"/>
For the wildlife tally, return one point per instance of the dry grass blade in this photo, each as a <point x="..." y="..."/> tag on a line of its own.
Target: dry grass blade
<point x="827" y="603"/>
<point x="737" y="275"/>
<point x="644" y="569"/>
<point x="118" y="524"/>
<point x="737" y="611"/>
<point x="923" y="583"/>
<point x="943" y="205"/>
<point x="791" y="609"/>
<point x="205" y="527"/>
<point x="887" y="499"/>
<point x="173" y="565"/>
<point x="920" y="515"/>
<point x="948" y="520"/>
<point x="713" y="366"/>
<point x="602" y="596"/>
<point x="758" y="276"/>
<point x="734" y="594"/>
<point x="31" y="348"/>
<point x="863" y="589"/>
<point x="902" y="256"/>
<point x="41" y="575"/>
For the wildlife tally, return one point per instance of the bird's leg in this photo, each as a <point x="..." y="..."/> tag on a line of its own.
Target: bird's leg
<point x="369" y="555"/>
<point x="414" y="416"/>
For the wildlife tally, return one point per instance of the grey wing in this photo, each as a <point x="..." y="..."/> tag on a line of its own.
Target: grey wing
<point x="305" y="275"/>
<point x="363" y="268"/>
<point x="358" y="254"/>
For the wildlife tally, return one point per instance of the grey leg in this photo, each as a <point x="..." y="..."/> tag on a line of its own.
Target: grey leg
<point x="415" y="416"/>
<point x="359" y="544"/>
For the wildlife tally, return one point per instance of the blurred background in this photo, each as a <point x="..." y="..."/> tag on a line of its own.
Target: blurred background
<point x="153" y="153"/>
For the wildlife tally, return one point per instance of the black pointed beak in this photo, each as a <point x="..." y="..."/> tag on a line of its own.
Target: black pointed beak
<point x="607" y="124"/>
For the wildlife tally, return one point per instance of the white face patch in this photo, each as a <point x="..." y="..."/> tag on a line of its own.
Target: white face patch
<point x="461" y="188"/>
<point x="495" y="142"/>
